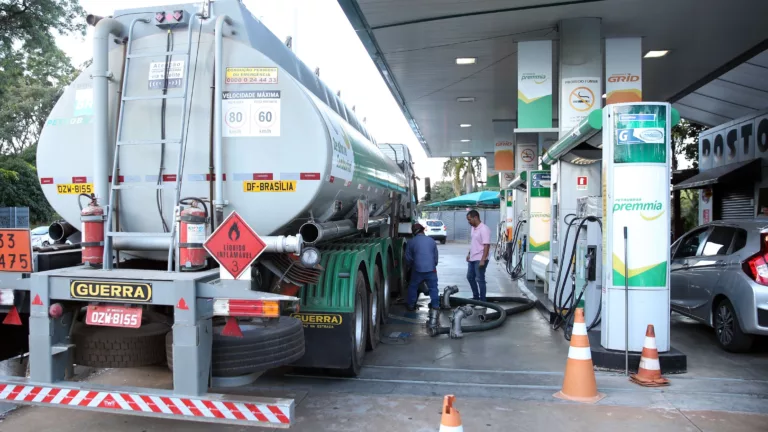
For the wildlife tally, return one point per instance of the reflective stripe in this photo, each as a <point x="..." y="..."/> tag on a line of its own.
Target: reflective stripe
<point x="290" y="176"/>
<point x="578" y="353"/>
<point x="650" y="342"/>
<point x="113" y="401"/>
<point x="649" y="364"/>
<point x="451" y="428"/>
<point x="579" y="329"/>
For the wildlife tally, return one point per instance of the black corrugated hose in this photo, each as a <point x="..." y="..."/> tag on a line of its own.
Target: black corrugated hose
<point x="494" y="319"/>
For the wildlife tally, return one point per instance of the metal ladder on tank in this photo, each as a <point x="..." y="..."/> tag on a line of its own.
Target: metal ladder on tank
<point x="181" y="141"/>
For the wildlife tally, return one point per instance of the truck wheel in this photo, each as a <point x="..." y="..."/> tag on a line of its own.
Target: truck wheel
<point x="117" y="347"/>
<point x="728" y="331"/>
<point x="359" y="328"/>
<point x="375" y="302"/>
<point x="262" y="347"/>
<point x="389" y="287"/>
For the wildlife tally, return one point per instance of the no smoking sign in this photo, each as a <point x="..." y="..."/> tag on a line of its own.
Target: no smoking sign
<point x="582" y="99"/>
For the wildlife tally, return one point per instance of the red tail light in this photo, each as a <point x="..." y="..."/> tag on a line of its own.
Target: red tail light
<point x="756" y="266"/>
<point x="444" y="228"/>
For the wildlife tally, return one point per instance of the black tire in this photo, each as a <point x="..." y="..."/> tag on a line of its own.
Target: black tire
<point x="728" y="332"/>
<point x="359" y="328"/>
<point x="262" y="347"/>
<point x="388" y="291"/>
<point x="442" y="241"/>
<point x="375" y="300"/>
<point x="117" y="347"/>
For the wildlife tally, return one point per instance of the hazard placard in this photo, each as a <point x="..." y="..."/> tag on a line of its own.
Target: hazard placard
<point x="581" y="183"/>
<point x="15" y="251"/>
<point x="234" y="245"/>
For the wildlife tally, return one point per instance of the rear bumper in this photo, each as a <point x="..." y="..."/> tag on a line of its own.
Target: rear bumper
<point x="436" y="235"/>
<point x="753" y="310"/>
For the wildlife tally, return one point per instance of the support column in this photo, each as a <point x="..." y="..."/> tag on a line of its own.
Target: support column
<point x="580" y="93"/>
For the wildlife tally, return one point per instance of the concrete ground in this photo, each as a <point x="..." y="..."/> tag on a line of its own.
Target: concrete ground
<point x="503" y="379"/>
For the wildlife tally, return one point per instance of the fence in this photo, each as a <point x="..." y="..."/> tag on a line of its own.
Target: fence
<point x="14" y="217"/>
<point x="457" y="227"/>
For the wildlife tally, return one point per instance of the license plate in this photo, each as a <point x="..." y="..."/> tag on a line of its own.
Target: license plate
<point x="435" y="229"/>
<point x="113" y="316"/>
<point x="74" y="188"/>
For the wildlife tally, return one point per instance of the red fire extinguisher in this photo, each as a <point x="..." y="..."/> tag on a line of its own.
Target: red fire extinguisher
<point x="92" y="218"/>
<point x="192" y="256"/>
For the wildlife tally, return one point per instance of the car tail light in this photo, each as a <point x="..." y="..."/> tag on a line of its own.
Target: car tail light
<point x="756" y="266"/>
<point x="246" y="308"/>
<point x="445" y="228"/>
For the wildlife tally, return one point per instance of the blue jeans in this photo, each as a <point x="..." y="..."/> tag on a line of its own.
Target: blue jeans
<point x="476" y="278"/>
<point x="416" y="279"/>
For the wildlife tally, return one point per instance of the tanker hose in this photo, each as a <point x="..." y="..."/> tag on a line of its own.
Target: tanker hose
<point x="445" y="299"/>
<point x="524" y="305"/>
<point x="501" y="313"/>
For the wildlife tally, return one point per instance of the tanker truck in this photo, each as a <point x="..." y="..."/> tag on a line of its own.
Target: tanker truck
<point x="194" y="123"/>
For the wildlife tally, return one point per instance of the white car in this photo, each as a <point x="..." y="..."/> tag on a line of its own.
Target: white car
<point x="40" y="237"/>
<point x="435" y="228"/>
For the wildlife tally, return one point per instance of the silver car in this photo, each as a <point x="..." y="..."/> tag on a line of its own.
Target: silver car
<point x="719" y="276"/>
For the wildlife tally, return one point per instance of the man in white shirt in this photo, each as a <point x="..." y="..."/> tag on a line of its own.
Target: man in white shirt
<point x="477" y="258"/>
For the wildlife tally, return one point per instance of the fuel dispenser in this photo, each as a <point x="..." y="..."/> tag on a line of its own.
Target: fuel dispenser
<point x="636" y="185"/>
<point x="622" y="280"/>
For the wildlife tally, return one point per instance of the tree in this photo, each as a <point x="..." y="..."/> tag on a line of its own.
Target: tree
<point x="463" y="172"/>
<point x="19" y="187"/>
<point x="442" y="191"/>
<point x="33" y="70"/>
<point x="685" y="142"/>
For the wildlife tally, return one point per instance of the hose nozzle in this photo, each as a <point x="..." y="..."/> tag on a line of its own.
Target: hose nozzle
<point x="459" y="314"/>
<point x="445" y="299"/>
<point x="433" y="323"/>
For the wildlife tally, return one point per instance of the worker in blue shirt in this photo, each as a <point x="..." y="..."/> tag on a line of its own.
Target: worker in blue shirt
<point x="421" y="257"/>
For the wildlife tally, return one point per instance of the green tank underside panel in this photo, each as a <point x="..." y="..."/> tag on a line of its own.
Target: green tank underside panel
<point x="371" y="251"/>
<point x="334" y="293"/>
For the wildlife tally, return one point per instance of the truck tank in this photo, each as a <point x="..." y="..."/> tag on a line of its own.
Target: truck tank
<point x="291" y="149"/>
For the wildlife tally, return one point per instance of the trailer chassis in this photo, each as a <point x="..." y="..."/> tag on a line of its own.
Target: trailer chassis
<point x="192" y="297"/>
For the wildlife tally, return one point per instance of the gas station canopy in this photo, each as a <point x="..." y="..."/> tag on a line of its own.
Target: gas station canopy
<point x="715" y="69"/>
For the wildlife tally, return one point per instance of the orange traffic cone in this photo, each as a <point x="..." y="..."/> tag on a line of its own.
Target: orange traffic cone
<point x="451" y="421"/>
<point x="579" y="383"/>
<point x="649" y="372"/>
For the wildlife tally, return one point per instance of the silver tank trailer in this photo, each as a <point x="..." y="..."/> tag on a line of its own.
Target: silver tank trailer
<point x="282" y="125"/>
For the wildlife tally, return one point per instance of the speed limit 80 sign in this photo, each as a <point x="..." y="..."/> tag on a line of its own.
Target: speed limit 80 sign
<point x="251" y="113"/>
<point x="15" y="250"/>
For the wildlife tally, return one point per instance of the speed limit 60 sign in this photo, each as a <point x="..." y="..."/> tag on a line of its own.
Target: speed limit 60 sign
<point x="15" y="251"/>
<point x="251" y="113"/>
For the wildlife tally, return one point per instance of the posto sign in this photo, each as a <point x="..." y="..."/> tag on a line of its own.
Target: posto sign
<point x="736" y="141"/>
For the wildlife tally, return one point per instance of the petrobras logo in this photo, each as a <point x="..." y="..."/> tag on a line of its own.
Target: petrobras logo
<point x="649" y="210"/>
<point x="627" y="77"/>
<point x="640" y="136"/>
<point x="504" y="144"/>
<point x="538" y="78"/>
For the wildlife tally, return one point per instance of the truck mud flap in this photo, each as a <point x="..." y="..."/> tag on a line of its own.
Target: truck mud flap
<point x="328" y="340"/>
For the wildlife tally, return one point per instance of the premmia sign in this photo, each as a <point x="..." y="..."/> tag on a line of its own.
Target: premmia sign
<point x="736" y="141"/>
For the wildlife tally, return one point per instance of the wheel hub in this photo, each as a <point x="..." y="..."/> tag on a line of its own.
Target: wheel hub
<point x="724" y="325"/>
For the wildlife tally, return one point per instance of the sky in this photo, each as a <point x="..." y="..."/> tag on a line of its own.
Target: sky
<point x="322" y="37"/>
